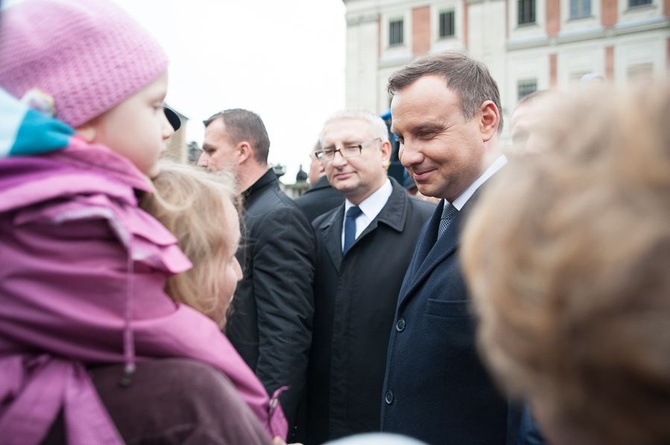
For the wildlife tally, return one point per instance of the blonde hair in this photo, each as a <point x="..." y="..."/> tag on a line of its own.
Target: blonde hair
<point x="567" y="255"/>
<point x="190" y="202"/>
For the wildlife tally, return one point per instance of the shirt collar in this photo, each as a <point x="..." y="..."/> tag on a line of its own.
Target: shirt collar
<point x="373" y="204"/>
<point x="467" y="194"/>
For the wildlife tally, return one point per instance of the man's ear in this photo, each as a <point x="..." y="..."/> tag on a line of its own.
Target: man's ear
<point x="386" y="152"/>
<point x="489" y="119"/>
<point x="244" y="152"/>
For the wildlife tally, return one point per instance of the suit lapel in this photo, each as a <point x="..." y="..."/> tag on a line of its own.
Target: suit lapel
<point x="331" y="233"/>
<point x="429" y="253"/>
<point x="393" y="214"/>
<point x="425" y="242"/>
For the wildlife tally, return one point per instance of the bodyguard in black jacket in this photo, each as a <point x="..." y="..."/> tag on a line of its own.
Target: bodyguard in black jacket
<point x="319" y="199"/>
<point x="321" y="196"/>
<point x="271" y="320"/>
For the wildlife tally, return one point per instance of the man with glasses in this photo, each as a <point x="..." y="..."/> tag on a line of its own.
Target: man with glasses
<point x="363" y="249"/>
<point x="321" y="196"/>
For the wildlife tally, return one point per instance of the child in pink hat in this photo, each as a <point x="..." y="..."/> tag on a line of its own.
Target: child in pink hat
<point x="83" y="268"/>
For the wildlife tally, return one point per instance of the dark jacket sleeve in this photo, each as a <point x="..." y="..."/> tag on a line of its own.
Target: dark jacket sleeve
<point x="283" y="259"/>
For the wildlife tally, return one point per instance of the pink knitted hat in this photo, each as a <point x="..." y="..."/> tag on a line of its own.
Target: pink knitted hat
<point x="89" y="55"/>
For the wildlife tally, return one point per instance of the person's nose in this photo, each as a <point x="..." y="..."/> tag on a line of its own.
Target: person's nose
<point x="166" y="128"/>
<point x="202" y="160"/>
<point x="339" y="160"/>
<point x="409" y="155"/>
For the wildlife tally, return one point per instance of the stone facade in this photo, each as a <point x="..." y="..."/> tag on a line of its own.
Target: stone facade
<point x="527" y="44"/>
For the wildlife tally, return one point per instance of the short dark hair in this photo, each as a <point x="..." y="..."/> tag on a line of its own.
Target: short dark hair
<point x="245" y="125"/>
<point x="469" y="78"/>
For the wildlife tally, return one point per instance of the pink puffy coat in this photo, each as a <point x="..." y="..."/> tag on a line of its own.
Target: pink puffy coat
<point x="82" y="271"/>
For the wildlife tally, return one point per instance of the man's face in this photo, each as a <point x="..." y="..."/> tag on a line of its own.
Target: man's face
<point x="355" y="177"/>
<point x="316" y="168"/>
<point x="443" y="152"/>
<point x="218" y="153"/>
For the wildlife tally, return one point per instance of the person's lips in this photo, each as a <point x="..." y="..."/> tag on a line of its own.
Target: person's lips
<point x="422" y="175"/>
<point x="343" y="176"/>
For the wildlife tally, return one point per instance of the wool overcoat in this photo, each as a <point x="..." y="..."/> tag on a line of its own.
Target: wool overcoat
<point x="355" y="300"/>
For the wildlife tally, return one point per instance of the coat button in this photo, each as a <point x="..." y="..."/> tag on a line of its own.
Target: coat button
<point x="400" y="325"/>
<point x="388" y="397"/>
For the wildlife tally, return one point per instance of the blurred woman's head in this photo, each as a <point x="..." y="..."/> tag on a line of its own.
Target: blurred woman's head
<point x="200" y="209"/>
<point x="567" y="254"/>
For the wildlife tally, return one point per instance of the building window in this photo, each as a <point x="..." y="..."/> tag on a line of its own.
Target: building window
<point x="642" y="71"/>
<point x="525" y="87"/>
<point x="633" y="3"/>
<point x="396" y="32"/>
<point x="447" y="24"/>
<point x="526" y="12"/>
<point x="580" y="9"/>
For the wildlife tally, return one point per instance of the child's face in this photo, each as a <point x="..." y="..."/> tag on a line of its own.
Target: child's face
<point x="137" y="127"/>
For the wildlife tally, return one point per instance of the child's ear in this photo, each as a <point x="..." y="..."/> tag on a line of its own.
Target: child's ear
<point x="86" y="132"/>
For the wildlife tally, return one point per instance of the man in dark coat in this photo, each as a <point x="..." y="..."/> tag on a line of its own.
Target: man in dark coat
<point x="271" y="315"/>
<point x="355" y="290"/>
<point x="446" y="115"/>
<point x="321" y="196"/>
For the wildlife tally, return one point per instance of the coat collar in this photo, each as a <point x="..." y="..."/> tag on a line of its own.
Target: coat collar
<point x="79" y="169"/>
<point x="393" y="215"/>
<point x="268" y="179"/>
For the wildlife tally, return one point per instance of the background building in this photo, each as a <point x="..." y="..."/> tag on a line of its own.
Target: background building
<point x="528" y="45"/>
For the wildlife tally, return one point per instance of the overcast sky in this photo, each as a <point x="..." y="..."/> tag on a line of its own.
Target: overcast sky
<point x="281" y="59"/>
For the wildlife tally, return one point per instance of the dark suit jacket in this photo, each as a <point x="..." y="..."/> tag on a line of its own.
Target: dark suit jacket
<point x="319" y="199"/>
<point x="271" y="320"/>
<point x="355" y="300"/>
<point x="436" y="388"/>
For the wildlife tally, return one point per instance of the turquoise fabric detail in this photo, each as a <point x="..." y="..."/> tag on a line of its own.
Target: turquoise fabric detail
<point x="24" y="131"/>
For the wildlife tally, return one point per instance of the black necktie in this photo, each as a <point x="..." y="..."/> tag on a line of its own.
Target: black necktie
<point x="448" y="214"/>
<point x="350" y="227"/>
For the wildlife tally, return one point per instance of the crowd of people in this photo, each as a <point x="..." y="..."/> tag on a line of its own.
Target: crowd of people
<point x="145" y="301"/>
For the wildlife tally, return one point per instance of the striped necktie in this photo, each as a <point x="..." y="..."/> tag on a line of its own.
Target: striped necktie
<point x="448" y="214"/>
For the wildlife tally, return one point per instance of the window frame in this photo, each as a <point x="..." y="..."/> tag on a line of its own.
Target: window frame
<point x="452" y="25"/>
<point x="524" y="86"/>
<point x="394" y="34"/>
<point x="579" y="9"/>
<point x="526" y="12"/>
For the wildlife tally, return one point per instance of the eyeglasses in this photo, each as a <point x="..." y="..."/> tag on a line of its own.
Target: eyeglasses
<point x="350" y="151"/>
